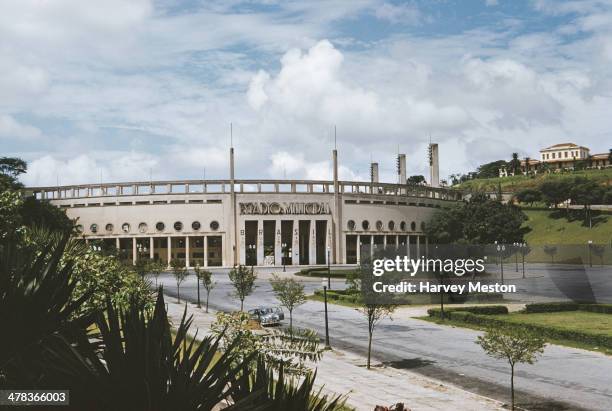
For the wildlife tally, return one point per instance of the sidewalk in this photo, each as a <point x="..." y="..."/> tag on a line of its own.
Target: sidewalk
<point x="341" y="372"/>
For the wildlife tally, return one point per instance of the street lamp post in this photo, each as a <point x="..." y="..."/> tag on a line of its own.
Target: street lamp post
<point x="516" y="245"/>
<point x="523" y="251"/>
<point x="590" y="242"/>
<point x="328" y="270"/>
<point x="284" y="245"/>
<point x="500" y="250"/>
<point x="327" y="346"/>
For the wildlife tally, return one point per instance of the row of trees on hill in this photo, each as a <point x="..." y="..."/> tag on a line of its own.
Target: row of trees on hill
<point x="580" y="190"/>
<point x="491" y="169"/>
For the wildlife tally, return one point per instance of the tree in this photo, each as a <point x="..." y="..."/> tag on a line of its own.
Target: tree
<point x="10" y="169"/>
<point x="586" y="192"/>
<point x="207" y="283"/>
<point x="197" y="270"/>
<point x="374" y="313"/>
<point x="205" y="277"/>
<point x="120" y="357"/>
<point x="515" y="345"/>
<point x="243" y="280"/>
<point x="180" y="273"/>
<point x="529" y="196"/>
<point x="599" y="251"/>
<point x="490" y="170"/>
<point x="515" y="164"/>
<point x="416" y="180"/>
<point x="555" y="192"/>
<point x="551" y="250"/>
<point x="142" y="266"/>
<point x="291" y="351"/>
<point x="289" y="293"/>
<point x="156" y="267"/>
<point x="479" y="221"/>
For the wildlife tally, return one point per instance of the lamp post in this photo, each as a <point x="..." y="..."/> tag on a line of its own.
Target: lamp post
<point x="284" y="258"/>
<point x="590" y="242"/>
<point x="328" y="269"/>
<point x="516" y="245"/>
<point x="523" y="251"/>
<point x="501" y="248"/>
<point x="497" y="259"/>
<point x="327" y="346"/>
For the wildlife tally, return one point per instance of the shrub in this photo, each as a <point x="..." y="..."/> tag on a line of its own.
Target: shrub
<point x="550" y="307"/>
<point x="484" y="310"/>
<point x="597" y="308"/>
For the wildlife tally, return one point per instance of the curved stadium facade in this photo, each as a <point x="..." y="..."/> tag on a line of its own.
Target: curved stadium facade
<point x="252" y="222"/>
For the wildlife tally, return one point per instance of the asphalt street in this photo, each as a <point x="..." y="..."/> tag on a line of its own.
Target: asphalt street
<point x="567" y="378"/>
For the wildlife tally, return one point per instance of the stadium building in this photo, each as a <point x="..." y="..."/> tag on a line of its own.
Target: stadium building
<point x="254" y="222"/>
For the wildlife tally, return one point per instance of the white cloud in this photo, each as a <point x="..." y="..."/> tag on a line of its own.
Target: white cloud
<point x="151" y="85"/>
<point x="402" y="13"/>
<point x="12" y="129"/>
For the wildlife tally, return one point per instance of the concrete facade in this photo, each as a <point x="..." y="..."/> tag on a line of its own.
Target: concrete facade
<point x="252" y="222"/>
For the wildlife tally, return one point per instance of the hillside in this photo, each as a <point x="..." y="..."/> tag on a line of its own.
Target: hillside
<point x="518" y="183"/>
<point x="548" y="227"/>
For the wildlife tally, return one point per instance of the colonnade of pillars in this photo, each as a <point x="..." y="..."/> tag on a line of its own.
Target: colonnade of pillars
<point x="205" y="250"/>
<point x="411" y="245"/>
<point x="284" y="242"/>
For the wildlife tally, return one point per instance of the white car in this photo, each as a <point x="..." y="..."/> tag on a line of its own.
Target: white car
<point x="267" y="315"/>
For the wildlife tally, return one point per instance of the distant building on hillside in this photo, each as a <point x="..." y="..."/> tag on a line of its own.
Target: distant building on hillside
<point x="558" y="157"/>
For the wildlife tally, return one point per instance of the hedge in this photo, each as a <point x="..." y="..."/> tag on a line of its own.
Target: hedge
<point x="550" y="307"/>
<point x="341" y="295"/>
<point x="549" y="331"/>
<point x="322" y="272"/>
<point x="567" y="306"/>
<point x="484" y="310"/>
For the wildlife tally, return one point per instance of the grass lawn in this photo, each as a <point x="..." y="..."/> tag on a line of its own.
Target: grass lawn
<point x="314" y="297"/>
<point x="570" y="320"/>
<point x="594" y="323"/>
<point x="518" y="183"/>
<point x="547" y="229"/>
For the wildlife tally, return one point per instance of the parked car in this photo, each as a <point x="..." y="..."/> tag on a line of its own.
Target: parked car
<point x="267" y="315"/>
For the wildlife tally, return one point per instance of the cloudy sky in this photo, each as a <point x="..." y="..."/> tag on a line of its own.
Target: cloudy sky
<point x="124" y="90"/>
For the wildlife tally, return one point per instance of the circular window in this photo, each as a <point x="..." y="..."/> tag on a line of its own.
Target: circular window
<point x="178" y="226"/>
<point x="142" y="227"/>
<point x="79" y="228"/>
<point x="391" y="226"/>
<point x="125" y="227"/>
<point x="422" y="225"/>
<point x="365" y="224"/>
<point x="413" y="226"/>
<point x="196" y="225"/>
<point x="351" y="225"/>
<point x="93" y="228"/>
<point x="379" y="225"/>
<point x="160" y="226"/>
<point x="214" y="225"/>
<point x="109" y="227"/>
<point x="403" y="226"/>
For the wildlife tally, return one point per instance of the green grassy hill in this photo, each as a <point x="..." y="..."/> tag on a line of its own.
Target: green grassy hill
<point x="518" y="183"/>
<point x="554" y="227"/>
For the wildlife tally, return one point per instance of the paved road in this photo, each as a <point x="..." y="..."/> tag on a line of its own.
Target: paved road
<point x="577" y="378"/>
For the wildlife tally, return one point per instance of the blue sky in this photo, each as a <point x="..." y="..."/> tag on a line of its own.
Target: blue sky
<point x="120" y="90"/>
